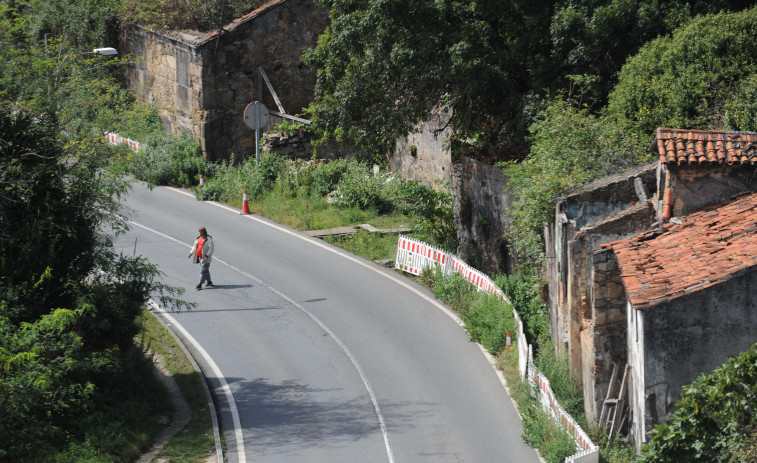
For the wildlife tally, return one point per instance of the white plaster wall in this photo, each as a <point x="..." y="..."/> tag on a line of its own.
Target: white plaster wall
<point x="636" y="399"/>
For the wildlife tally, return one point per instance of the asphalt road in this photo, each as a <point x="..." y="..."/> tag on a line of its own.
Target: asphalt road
<point x="316" y="355"/>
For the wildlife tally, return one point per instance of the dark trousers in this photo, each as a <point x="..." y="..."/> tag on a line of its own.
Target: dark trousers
<point x="204" y="273"/>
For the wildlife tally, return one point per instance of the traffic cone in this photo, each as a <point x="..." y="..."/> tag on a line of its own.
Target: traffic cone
<point x="202" y="181"/>
<point x="245" y="206"/>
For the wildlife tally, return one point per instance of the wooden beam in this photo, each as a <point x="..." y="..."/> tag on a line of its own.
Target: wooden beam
<point x="270" y="88"/>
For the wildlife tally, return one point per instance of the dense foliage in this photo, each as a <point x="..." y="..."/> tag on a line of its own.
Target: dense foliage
<point x="523" y="289"/>
<point x="569" y="147"/>
<point x="200" y="15"/>
<point x="715" y="419"/>
<point x="383" y="66"/>
<point x="69" y="305"/>
<point x="685" y="80"/>
<point x="701" y="76"/>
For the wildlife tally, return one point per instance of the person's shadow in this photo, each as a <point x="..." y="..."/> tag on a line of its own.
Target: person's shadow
<point x="215" y="286"/>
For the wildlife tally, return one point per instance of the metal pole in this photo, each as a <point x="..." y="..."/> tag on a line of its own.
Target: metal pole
<point x="257" y="133"/>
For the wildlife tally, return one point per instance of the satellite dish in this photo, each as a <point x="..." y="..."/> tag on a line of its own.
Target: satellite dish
<point x="250" y="115"/>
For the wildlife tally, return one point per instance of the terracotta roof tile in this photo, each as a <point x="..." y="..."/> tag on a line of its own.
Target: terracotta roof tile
<point x="694" y="147"/>
<point x="709" y="247"/>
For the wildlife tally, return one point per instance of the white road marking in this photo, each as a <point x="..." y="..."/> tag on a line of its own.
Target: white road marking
<point x="241" y="456"/>
<point x="217" y="371"/>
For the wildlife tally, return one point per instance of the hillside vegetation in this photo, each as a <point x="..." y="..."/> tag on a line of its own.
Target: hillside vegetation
<point x="559" y="92"/>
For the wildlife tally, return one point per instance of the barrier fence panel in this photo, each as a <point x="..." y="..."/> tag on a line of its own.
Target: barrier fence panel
<point x="116" y="139"/>
<point x="414" y="255"/>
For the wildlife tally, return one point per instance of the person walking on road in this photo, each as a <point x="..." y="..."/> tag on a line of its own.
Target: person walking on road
<point x="202" y="251"/>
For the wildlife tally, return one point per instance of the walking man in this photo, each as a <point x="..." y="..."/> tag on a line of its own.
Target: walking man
<point x="202" y="251"/>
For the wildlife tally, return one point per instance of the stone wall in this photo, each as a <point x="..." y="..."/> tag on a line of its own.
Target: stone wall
<point x="276" y="40"/>
<point x="605" y="331"/>
<point x="479" y="191"/>
<point x="424" y="155"/>
<point x="203" y="83"/>
<point x="481" y="197"/>
<point x="168" y="74"/>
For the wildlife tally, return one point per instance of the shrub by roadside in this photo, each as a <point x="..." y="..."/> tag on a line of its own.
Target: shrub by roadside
<point x="342" y="192"/>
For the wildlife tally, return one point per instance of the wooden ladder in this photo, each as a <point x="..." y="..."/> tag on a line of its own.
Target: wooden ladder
<point x="612" y="415"/>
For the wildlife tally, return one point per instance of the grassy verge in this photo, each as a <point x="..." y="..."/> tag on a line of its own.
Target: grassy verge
<point x="195" y="442"/>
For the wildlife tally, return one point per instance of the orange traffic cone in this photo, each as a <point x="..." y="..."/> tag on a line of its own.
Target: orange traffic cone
<point x="245" y="206"/>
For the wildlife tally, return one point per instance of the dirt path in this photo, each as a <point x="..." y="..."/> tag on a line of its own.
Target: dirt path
<point x="182" y="413"/>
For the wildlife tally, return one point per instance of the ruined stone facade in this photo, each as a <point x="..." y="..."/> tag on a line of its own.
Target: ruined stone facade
<point x="201" y="84"/>
<point x="610" y="209"/>
<point x="479" y="191"/>
<point x="591" y="314"/>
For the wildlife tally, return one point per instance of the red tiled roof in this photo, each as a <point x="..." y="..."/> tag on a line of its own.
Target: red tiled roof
<point x="677" y="146"/>
<point x="709" y="247"/>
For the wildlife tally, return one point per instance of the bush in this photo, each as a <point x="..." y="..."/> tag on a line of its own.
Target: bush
<point x="453" y="289"/>
<point x="522" y="289"/>
<point x="359" y="188"/>
<point x="683" y="79"/>
<point x="715" y="419"/>
<point x="170" y="160"/>
<point x="432" y="213"/>
<point x="488" y="321"/>
<point x="542" y="432"/>
<point x="326" y="176"/>
<point x="570" y="147"/>
<point x="262" y="177"/>
<point x="741" y="108"/>
<point x="230" y="180"/>
<point x="556" y="367"/>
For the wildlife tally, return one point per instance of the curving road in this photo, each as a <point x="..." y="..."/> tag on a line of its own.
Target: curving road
<point x="316" y="355"/>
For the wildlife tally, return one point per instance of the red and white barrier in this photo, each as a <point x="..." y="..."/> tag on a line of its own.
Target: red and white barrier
<point x="414" y="255"/>
<point x="116" y="139"/>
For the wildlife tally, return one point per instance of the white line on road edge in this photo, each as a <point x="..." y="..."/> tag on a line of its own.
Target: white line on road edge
<point x="227" y="391"/>
<point x="343" y="346"/>
<point x="241" y="456"/>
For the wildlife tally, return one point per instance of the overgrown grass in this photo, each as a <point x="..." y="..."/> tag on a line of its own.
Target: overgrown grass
<point x="539" y="429"/>
<point x="305" y="195"/>
<point x="373" y="246"/>
<point x="195" y="442"/>
<point x="488" y="319"/>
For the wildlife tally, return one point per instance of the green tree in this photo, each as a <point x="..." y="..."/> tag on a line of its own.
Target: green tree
<point x="595" y="37"/>
<point x="685" y="79"/>
<point x="715" y="418"/>
<point x="569" y="147"/>
<point x="384" y="65"/>
<point x="69" y="305"/>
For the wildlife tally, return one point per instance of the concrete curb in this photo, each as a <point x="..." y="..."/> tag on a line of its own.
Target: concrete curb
<point x="208" y="395"/>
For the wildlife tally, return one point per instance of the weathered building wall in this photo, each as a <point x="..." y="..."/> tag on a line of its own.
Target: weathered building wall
<point x="689" y="336"/>
<point x="697" y="187"/>
<point x="609" y="209"/>
<point x="604" y="339"/>
<point x="479" y="191"/>
<point x="168" y="74"/>
<point x="481" y="197"/>
<point x="424" y="155"/>
<point x="276" y="40"/>
<point x="202" y="83"/>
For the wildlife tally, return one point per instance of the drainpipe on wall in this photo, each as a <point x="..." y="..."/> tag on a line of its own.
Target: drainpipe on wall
<point x="667" y="204"/>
